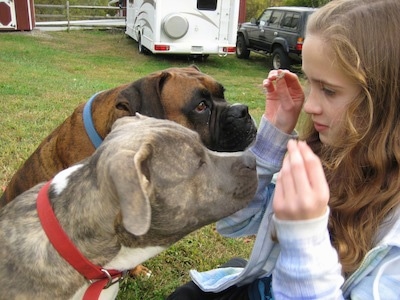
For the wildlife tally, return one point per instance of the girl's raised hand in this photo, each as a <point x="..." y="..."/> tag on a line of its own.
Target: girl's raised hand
<point x="301" y="191"/>
<point x="284" y="99"/>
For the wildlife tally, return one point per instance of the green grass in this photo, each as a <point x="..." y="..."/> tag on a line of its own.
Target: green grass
<point x="45" y="75"/>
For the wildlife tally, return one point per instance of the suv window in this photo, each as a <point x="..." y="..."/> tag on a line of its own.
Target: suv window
<point x="291" y="20"/>
<point x="276" y="18"/>
<point x="264" y="19"/>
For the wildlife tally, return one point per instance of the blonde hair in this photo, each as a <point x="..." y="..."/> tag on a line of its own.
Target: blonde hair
<point x="363" y="166"/>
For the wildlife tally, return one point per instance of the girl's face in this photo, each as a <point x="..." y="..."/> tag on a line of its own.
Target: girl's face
<point x="330" y="90"/>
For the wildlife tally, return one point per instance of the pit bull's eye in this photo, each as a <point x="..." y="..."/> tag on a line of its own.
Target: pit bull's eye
<point x="201" y="107"/>
<point x="201" y="163"/>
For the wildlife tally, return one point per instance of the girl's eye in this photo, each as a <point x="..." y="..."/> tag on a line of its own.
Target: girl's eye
<point x="201" y="107"/>
<point x="328" y="92"/>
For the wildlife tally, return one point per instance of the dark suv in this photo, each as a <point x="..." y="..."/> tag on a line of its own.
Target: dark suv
<point x="279" y="31"/>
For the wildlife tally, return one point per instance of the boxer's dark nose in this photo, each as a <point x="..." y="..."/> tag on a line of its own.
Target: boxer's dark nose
<point x="239" y="111"/>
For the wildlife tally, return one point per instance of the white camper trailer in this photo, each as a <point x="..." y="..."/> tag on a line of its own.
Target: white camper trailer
<point x="193" y="27"/>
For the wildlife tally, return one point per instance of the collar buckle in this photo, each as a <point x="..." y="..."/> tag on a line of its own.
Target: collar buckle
<point x="112" y="279"/>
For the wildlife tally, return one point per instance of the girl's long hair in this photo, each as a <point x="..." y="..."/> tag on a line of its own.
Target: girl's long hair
<point x="362" y="167"/>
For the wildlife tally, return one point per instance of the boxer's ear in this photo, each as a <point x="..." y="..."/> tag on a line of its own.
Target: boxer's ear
<point x="144" y="96"/>
<point x="131" y="178"/>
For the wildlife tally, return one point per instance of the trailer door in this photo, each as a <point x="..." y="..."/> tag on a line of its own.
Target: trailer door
<point x="224" y="14"/>
<point x="225" y="6"/>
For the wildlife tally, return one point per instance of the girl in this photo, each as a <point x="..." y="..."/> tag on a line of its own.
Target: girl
<point x="315" y="242"/>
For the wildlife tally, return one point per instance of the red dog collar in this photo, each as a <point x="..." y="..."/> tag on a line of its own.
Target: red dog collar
<point x="98" y="277"/>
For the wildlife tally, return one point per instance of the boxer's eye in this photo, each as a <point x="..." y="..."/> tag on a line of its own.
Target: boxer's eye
<point x="201" y="107"/>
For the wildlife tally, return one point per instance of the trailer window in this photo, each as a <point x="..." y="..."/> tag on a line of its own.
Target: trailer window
<point x="207" y="4"/>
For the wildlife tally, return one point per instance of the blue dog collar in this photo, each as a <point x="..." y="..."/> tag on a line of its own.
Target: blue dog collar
<point x="95" y="138"/>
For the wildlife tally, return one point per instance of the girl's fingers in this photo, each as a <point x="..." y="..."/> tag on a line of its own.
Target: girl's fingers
<point x="268" y="85"/>
<point x="282" y="202"/>
<point x="315" y="171"/>
<point x="292" y="80"/>
<point x="279" y="193"/>
<point x="298" y="169"/>
<point x="273" y="77"/>
<point x="302" y="190"/>
<point x="287" y="179"/>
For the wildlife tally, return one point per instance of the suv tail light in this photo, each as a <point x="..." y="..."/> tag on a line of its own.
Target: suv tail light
<point x="299" y="44"/>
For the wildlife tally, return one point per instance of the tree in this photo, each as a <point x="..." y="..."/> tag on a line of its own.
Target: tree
<point x="308" y="3"/>
<point x="255" y="7"/>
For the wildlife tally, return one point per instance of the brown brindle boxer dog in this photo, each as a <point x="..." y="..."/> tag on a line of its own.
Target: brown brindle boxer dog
<point x="184" y="95"/>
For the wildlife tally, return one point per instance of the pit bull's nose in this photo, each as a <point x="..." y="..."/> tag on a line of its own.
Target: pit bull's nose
<point x="249" y="160"/>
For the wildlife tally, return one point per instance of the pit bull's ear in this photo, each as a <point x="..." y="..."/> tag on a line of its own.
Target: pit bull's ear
<point x="130" y="174"/>
<point x="143" y="95"/>
<point x="122" y="121"/>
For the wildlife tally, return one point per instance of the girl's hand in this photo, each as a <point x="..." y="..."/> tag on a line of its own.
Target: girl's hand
<point x="301" y="191"/>
<point x="284" y="99"/>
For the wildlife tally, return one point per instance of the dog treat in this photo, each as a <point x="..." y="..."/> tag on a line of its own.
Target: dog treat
<point x="281" y="74"/>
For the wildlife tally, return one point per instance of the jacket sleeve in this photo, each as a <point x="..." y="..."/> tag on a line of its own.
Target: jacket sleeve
<point x="308" y="266"/>
<point x="269" y="150"/>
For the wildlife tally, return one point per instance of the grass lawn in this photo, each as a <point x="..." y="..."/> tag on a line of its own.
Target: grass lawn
<point x="45" y="75"/>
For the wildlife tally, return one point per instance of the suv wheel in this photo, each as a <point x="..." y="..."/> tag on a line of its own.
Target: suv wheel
<point x="280" y="60"/>
<point x="241" y="49"/>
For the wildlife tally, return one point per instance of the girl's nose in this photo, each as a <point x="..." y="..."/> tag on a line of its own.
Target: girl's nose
<point x="312" y="105"/>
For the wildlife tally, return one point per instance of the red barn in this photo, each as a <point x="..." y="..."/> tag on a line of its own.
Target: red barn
<point x="17" y="15"/>
<point x="242" y="11"/>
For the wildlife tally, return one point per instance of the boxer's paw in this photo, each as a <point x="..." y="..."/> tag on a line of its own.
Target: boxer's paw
<point x="140" y="271"/>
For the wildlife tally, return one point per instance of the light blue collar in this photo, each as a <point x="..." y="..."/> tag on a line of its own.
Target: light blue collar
<point x="95" y="138"/>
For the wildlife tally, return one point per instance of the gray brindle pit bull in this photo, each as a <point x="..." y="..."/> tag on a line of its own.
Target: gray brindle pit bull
<point x="149" y="184"/>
